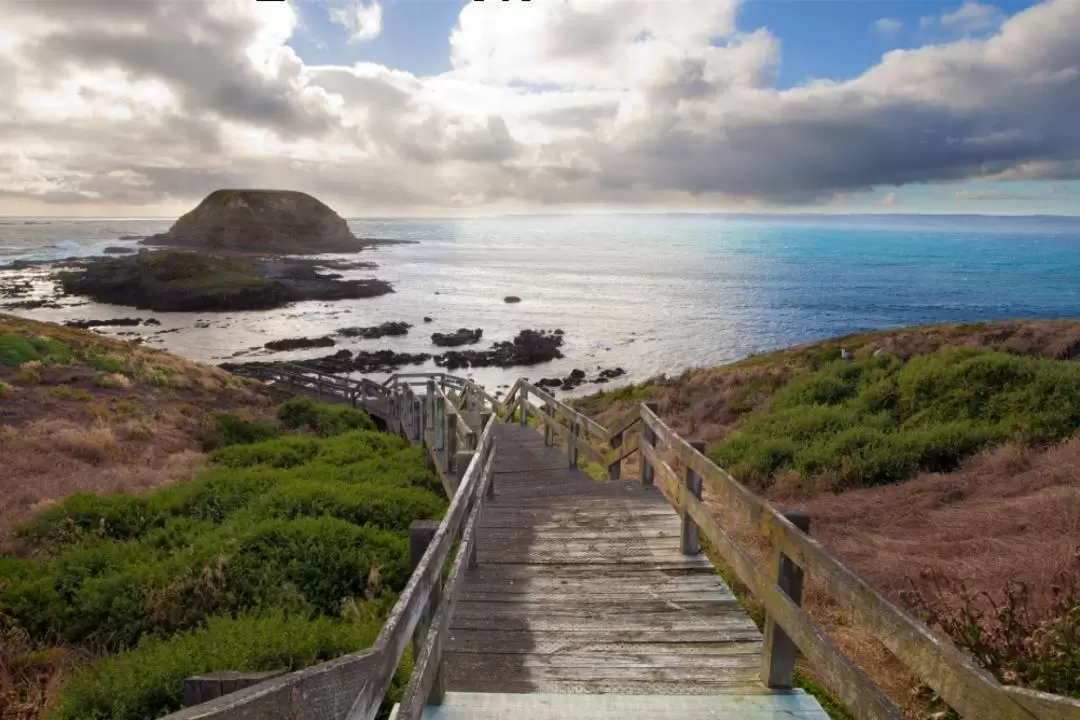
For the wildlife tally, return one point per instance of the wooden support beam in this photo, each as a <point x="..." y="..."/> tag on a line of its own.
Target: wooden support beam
<point x="779" y="653"/>
<point x="649" y="438"/>
<point x="691" y="542"/>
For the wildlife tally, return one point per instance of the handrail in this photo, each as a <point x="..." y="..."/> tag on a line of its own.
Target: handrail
<point x="936" y="661"/>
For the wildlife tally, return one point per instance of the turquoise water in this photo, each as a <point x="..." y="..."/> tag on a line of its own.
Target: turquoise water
<point x="650" y="293"/>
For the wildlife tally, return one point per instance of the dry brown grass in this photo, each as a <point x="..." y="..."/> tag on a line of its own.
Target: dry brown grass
<point x="31" y="675"/>
<point x="83" y="430"/>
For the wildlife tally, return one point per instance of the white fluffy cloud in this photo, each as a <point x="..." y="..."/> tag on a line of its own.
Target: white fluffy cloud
<point x="362" y="20"/>
<point x="126" y="104"/>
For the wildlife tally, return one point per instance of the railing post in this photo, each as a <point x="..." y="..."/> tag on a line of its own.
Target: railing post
<point x="429" y="405"/>
<point x="418" y="421"/>
<point x="485" y="418"/>
<point x="421" y="533"/>
<point x="549" y="417"/>
<point x="439" y="424"/>
<point x="523" y="407"/>
<point x="614" y="470"/>
<point x="778" y="655"/>
<point x="691" y="541"/>
<point x="451" y="441"/>
<point x="649" y="437"/>
<point x="572" y="442"/>
<point x="491" y="482"/>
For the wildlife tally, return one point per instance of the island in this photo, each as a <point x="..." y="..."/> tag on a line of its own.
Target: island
<point x="262" y="221"/>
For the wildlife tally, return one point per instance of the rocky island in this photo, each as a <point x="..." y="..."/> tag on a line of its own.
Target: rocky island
<point x="262" y="221"/>
<point x="193" y="282"/>
<point x="231" y="258"/>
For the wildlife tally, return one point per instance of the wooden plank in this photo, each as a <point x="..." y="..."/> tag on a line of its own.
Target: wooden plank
<point x="741" y="655"/>
<point x="520" y="643"/>
<point x="1044" y="705"/>
<point x="741" y="672"/>
<point x="525" y="640"/>
<point x="327" y="690"/>
<point x="599" y="687"/>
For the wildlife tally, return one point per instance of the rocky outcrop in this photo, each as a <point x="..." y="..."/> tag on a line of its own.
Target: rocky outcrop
<point x="261" y="221"/>
<point x="113" y="322"/>
<point x="511" y="299"/>
<point x="577" y="377"/>
<point x="530" y="347"/>
<point x="343" y="362"/>
<point x="193" y="282"/>
<point x="461" y="336"/>
<point x="298" y="343"/>
<point x="386" y="329"/>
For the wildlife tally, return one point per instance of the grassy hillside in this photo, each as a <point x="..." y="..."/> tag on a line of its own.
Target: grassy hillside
<point x="79" y="411"/>
<point x="162" y="518"/>
<point x="942" y="463"/>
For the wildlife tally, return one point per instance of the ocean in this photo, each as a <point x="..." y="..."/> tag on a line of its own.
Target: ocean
<point x="649" y="293"/>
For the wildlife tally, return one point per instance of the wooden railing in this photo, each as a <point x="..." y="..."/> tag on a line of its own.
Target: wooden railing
<point x="354" y="686"/>
<point x="955" y="677"/>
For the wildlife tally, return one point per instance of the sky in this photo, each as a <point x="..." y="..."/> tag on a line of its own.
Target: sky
<point x="476" y="107"/>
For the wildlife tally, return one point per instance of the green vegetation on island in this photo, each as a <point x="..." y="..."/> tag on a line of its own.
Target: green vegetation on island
<point x="193" y="281"/>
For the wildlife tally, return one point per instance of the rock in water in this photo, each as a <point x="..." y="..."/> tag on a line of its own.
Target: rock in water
<point x="263" y="221"/>
<point x="461" y="336"/>
<point x="298" y="343"/>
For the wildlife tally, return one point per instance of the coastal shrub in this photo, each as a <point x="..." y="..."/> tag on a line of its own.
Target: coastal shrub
<point x="5" y="389"/>
<point x="148" y="681"/>
<point x="282" y="452"/>
<point x="112" y="381"/>
<point x="66" y="392"/>
<point x="231" y="430"/>
<point x="116" y="517"/>
<point x="328" y="560"/>
<point x="301" y="529"/>
<point x="103" y="362"/>
<point x="878" y="420"/>
<point x="324" y="420"/>
<point x="381" y="503"/>
<point x="15" y="350"/>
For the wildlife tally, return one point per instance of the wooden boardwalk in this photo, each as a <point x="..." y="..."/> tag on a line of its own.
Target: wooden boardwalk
<point x="581" y="588"/>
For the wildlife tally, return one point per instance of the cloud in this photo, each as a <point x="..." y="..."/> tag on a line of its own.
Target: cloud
<point x="362" y="20"/>
<point x="888" y="27"/>
<point x="889" y="200"/>
<point x="969" y="19"/>
<point x="1050" y="194"/>
<point x="122" y="104"/>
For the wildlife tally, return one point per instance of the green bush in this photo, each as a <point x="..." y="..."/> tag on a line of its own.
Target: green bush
<point x="231" y="430"/>
<point x="878" y="420"/>
<point x="283" y="452"/>
<point x="327" y="560"/>
<point x="5" y="389"/>
<point x="148" y="681"/>
<point x="324" y="420"/>
<point x="15" y="350"/>
<point x="103" y="362"/>
<point x="298" y="527"/>
<point x="117" y="517"/>
<point x="383" y="504"/>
